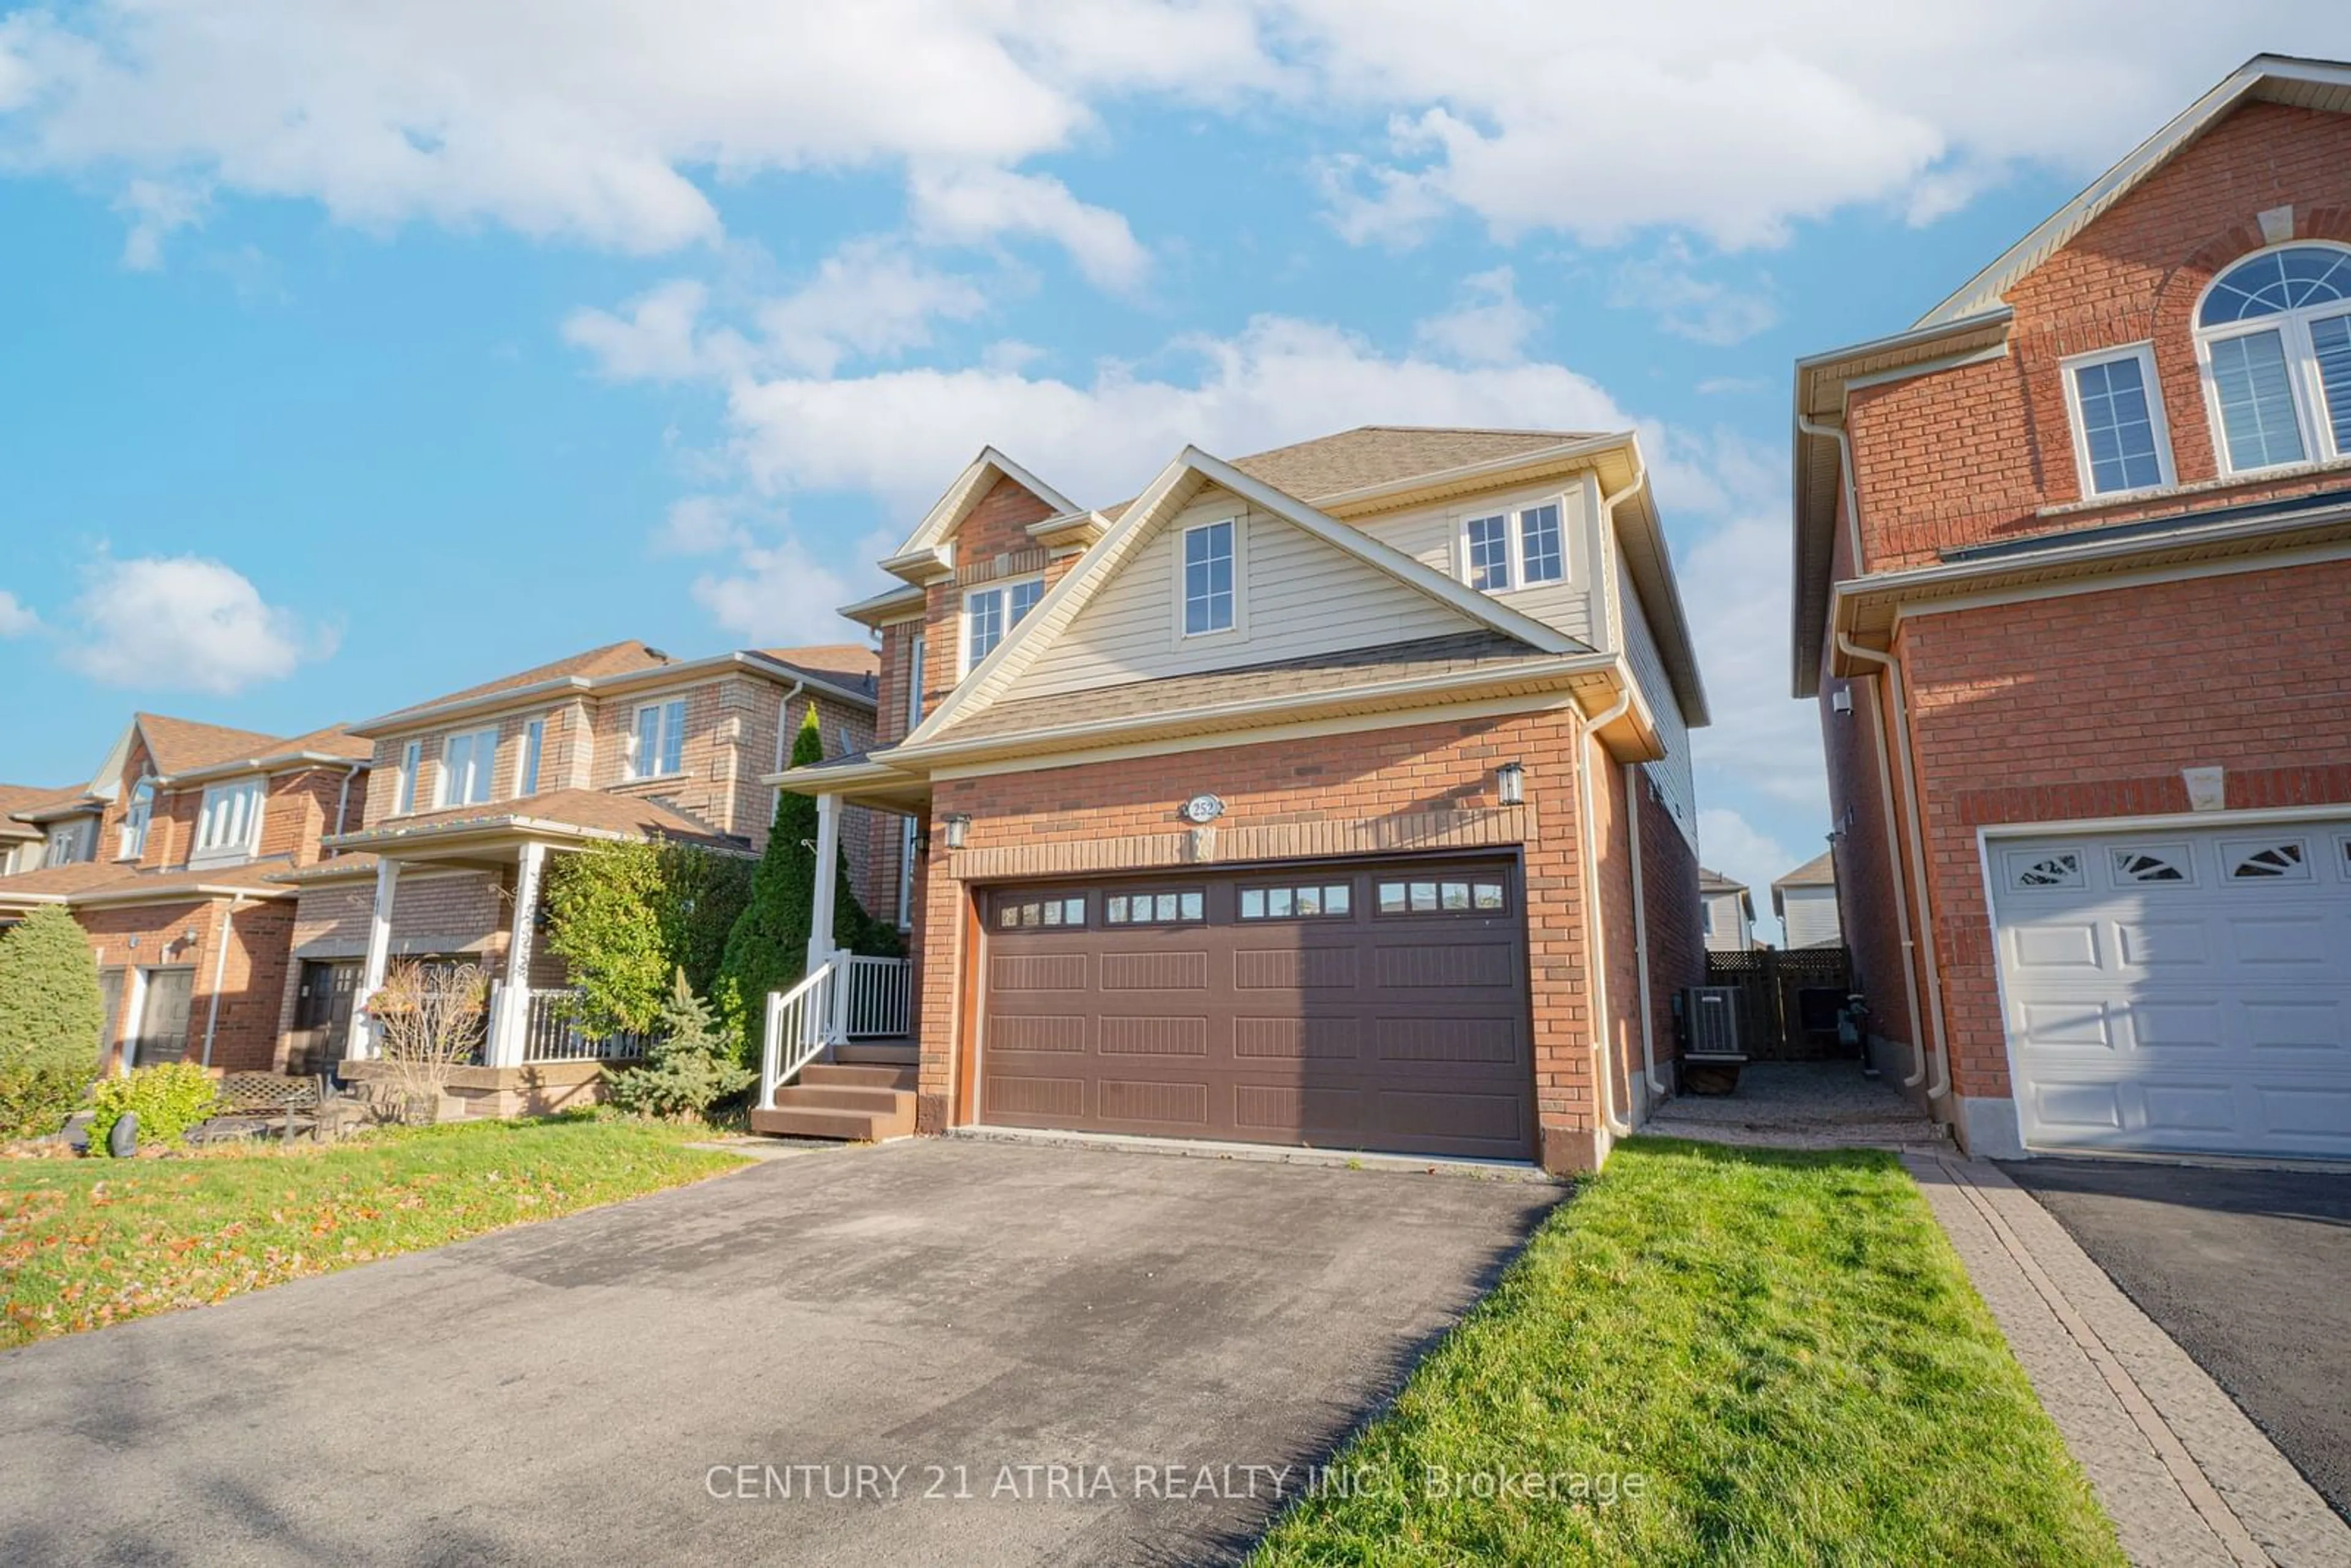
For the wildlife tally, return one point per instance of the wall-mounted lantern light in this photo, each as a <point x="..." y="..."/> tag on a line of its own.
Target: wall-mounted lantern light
<point x="957" y="827"/>
<point x="189" y="937"/>
<point x="1511" y="781"/>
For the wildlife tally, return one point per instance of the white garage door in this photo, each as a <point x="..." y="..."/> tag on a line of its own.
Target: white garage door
<point x="2183" y="992"/>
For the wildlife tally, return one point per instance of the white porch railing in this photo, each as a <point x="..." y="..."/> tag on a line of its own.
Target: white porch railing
<point x="549" y="1035"/>
<point x="846" y="997"/>
<point x="802" y="1024"/>
<point x="881" y="993"/>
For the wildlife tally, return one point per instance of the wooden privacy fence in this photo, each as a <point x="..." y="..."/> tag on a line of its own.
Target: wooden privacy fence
<point x="1788" y="999"/>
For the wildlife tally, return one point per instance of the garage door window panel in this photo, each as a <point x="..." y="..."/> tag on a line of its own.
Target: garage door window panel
<point x="1444" y="896"/>
<point x="1159" y="907"/>
<point x="1026" y="913"/>
<point x="2277" y="860"/>
<point x="2154" y="866"/>
<point x="1298" y="901"/>
<point x="2028" y="870"/>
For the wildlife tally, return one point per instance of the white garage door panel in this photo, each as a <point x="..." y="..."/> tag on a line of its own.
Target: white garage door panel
<point x="2179" y="992"/>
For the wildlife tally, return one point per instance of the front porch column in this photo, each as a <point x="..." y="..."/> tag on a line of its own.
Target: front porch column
<point x="827" y="857"/>
<point x="378" y="955"/>
<point x="510" y="1029"/>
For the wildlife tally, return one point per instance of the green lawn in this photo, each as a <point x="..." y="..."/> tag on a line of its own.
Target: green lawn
<point x="1784" y="1349"/>
<point x="85" y="1243"/>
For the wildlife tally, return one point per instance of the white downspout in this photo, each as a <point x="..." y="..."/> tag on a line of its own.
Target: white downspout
<point x="344" y="802"/>
<point x="1844" y="477"/>
<point x="1890" y="677"/>
<point x="220" y="972"/>
<point x="1641" y="937"/>
<point x="1594" y="920"/>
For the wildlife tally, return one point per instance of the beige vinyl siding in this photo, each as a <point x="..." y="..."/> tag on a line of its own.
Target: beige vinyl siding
<point x="1810" y="917"/>
<point x="1674" y="778"/>
<point x="1433" y="539"/>
<point x="1725" y="932"/>
<point x="1298" y="597"/>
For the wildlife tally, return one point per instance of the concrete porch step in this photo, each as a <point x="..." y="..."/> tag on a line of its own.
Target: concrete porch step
<point x="840" y="1097"/>
<point x="878" y="1052"/>
<point x="855" y="1075"/>
<point x="796" y="1118"/>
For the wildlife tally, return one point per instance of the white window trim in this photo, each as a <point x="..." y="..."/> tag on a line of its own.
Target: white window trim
<point x="1514" y="539"/>
<point x="131" y="841"/>
<point x="444" y="779"/>
<point x="243" y="850"/>
<point x="1004" y="585"/>
<point x="530" y="762"/>
<point x="405" y="781"/>
<point x="636" y="769"/>
<point x="907" y="835"/>
<point x="2318" y="446"/>
<point x="917" y="652"/>
<point x="1239" y="630"/>
<point x="2143" y="353"/>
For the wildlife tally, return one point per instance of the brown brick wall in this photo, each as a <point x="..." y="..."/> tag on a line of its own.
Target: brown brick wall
<point x="1348" y="779"/>
<point x="1870" y="863"/>
<point x="252" y="980"/>
<point x="1972" y="454"/>
<point x="2089" y="706"/>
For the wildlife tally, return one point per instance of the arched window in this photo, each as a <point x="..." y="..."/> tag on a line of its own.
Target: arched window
<point x="134" y="820"/>
<point x="2274" y="333"/>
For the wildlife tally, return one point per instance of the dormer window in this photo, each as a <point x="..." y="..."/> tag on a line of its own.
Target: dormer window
<point x="2274" y="336"/>
<point x="135" y="817"/>
<point x="229" y="825"/>
<point x="70" y="843"/>
<point x="988" y="613"/>
<point x="1521" y="548"/>
<point x="1210" y="594"/>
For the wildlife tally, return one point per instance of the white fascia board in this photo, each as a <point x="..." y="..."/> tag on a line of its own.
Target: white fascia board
<point x="948" y="512"/>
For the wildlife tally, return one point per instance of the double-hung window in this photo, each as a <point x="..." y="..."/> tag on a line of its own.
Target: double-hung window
<point x="657" y="746"/>
<point x="534" y="743"/>
<point x="2275" y="335"/>
<point x="2119" y="442"/>
<point x="467" y="761"/>
<point x="229" y="824"/>
<point x="1210" y="601"/>
<point x="69" y="842"/>
<point x="135" y="818"/>
<point x="1522" y="547"/>
<point x="988" y="613"/>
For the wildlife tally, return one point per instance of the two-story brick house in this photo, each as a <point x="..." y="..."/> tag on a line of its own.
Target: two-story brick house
<point x="469" y="793"/>
<point x="165" y="857"/>
<point x="1338" y="795"/>
<point x="2072" y="586"/>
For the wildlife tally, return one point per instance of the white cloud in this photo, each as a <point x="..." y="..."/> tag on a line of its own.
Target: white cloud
<point x="622" y="123"/>
<point x="660" y="338"/>
<point x="16" y="617"/>
<point x="1490" y="327"/>
<point x="778" y="594"/>
<point x="1701" y="310"/>
<point x="869" y="300"/>
<point x="974" y="205"/>
<point x="701" y="525"/>
<point x="898" y="435"/>
<point x="187" y="623"/>
<point x="156" y="208"/>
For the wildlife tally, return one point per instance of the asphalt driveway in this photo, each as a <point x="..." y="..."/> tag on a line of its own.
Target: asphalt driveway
<point x="668" y="1379"/>
<point x="2249" y="1271"/>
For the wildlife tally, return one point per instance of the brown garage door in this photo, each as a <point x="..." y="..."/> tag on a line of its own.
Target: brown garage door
<point x="1341" y="1005"/>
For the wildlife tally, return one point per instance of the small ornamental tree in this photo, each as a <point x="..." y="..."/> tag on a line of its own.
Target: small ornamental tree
<point x="51" y="1016"/>
<point x="768" y="949"/>
<point x="690" y="1066"/>
<point x="430" y="1019"/>
<point x="624" y="916"/>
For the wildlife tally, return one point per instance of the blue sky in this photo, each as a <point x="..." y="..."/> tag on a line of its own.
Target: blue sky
<point x="357" y="356"/>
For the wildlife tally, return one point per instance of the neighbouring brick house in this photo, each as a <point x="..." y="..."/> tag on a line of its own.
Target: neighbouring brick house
<point x="2073" y="590"/>
<point x="469" y="793"/>
<point x="1338" y="795"/>
<point x="165" y="857"/>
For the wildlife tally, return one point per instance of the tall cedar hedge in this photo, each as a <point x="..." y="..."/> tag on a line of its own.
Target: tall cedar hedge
<point x="768" y="949"/>
<point x="50" y="1015"/>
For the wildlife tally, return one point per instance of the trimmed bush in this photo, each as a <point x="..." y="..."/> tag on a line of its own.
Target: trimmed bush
<point x="691" y="1066"/>
<point x="768" y="949"/>
<point x="169" y="1098"/>
<point x="50" y="1015"/>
